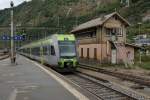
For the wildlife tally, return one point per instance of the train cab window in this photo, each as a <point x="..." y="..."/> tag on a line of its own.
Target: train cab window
<point x="52" y="51"/>
<point x="67" y="49"/>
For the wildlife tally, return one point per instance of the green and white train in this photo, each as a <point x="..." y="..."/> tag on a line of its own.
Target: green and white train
<point x="58" y="50"/>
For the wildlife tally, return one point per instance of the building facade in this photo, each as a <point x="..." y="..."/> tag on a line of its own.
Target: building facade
<point x="104" y="40"/>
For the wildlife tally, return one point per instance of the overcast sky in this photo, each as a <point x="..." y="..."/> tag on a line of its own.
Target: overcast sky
<point x="6" y="3"/>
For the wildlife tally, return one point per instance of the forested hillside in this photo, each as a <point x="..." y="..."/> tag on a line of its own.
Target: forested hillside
<point x="69" y="13"/>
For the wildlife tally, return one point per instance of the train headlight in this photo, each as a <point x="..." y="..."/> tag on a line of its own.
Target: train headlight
<point x="61" y="63"/>
<point x="75" y="62"/>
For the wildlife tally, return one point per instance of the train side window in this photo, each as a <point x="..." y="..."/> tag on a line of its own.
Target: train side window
<point x="45" y="50"/>
<point x="28" y="50"/>
<point x="49" y="50"/>
<point x="33" y="51"/>
<point x="38" y="51"/>
<point x="52" y="51"/>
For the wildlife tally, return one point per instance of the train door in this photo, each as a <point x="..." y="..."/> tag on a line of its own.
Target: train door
<point x="52" y="58"/>
<point x="129" y="57"/>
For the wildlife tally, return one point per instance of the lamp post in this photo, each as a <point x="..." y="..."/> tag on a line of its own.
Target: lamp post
<point x="12" y="33"/>
<point x="139" y="27"/>
<point x="140" y="57"/>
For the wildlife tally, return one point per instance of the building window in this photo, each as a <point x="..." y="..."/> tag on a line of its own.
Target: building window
<point x="88" y="53"/>
<point x="87" y="34"/>
<point x="115" y="17"/>
<point x="90" y="34"/>
<point x="95" y="53"/>
<point x="93" y="34"/>
<point x="113" y="31"/>
<point x="81" y="52"/>
<point x="109" y="31"/>
<point x="119" y="31"/>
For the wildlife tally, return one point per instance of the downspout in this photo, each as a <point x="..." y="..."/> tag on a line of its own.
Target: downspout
<point x="101" y="44"/>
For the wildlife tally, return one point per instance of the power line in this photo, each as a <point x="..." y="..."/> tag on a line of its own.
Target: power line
<point x="31" y="27"/>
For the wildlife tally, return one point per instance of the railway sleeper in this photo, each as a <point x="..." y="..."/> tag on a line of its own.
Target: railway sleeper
<point x="122" y="98"/>
<point x="95" y="87"/>
<point x="109" y="93"/>
<point x="114" y="98"/>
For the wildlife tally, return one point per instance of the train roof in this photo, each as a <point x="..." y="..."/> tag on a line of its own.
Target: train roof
<point x="60" y="37"/>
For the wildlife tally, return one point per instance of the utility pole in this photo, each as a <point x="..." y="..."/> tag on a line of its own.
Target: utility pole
<point x="76" y="21"/>
<point x="58" y="21"/>
<point x="12" y="33"/>
<point x="139" y="27"/>
<point x="127" y="3"/>
<point x="68" y="12"/>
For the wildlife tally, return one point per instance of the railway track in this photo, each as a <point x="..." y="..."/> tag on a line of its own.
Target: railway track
<point x="124" y="76"/>
<point x="101" y="89"/>
<point x="3" y="56"/>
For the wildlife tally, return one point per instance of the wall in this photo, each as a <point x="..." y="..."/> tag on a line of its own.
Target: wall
<point x="113" y="23"/>
<point x="87" y="40"/>
<point x="122" y="52"/>
<point x="101" y="51"/>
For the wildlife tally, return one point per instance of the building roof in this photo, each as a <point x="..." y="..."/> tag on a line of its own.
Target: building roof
<point x="98" y="22"/>
<point x="126" y="44"/>
<point x="133" y="45"/>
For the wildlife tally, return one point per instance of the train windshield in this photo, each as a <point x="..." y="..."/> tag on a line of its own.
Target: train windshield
<point x="67" y="48"/>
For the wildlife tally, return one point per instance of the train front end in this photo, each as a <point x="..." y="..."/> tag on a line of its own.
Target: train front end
<point x="67" y="52"/>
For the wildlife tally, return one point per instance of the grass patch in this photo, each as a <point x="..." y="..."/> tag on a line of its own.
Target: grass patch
<point x="145" y="65"/>
<point x="145" y="59"/>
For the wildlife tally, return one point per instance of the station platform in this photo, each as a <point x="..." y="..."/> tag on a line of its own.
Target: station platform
<point x="29" y="81"/>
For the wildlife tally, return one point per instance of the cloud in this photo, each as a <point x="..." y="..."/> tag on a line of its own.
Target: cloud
<point x="6" y="3"/>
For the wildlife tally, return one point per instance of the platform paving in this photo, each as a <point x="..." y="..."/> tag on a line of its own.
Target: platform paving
<point x="26" y="81"/>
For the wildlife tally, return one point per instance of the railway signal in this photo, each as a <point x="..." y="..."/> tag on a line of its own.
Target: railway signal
<point x="15" y="38"/>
